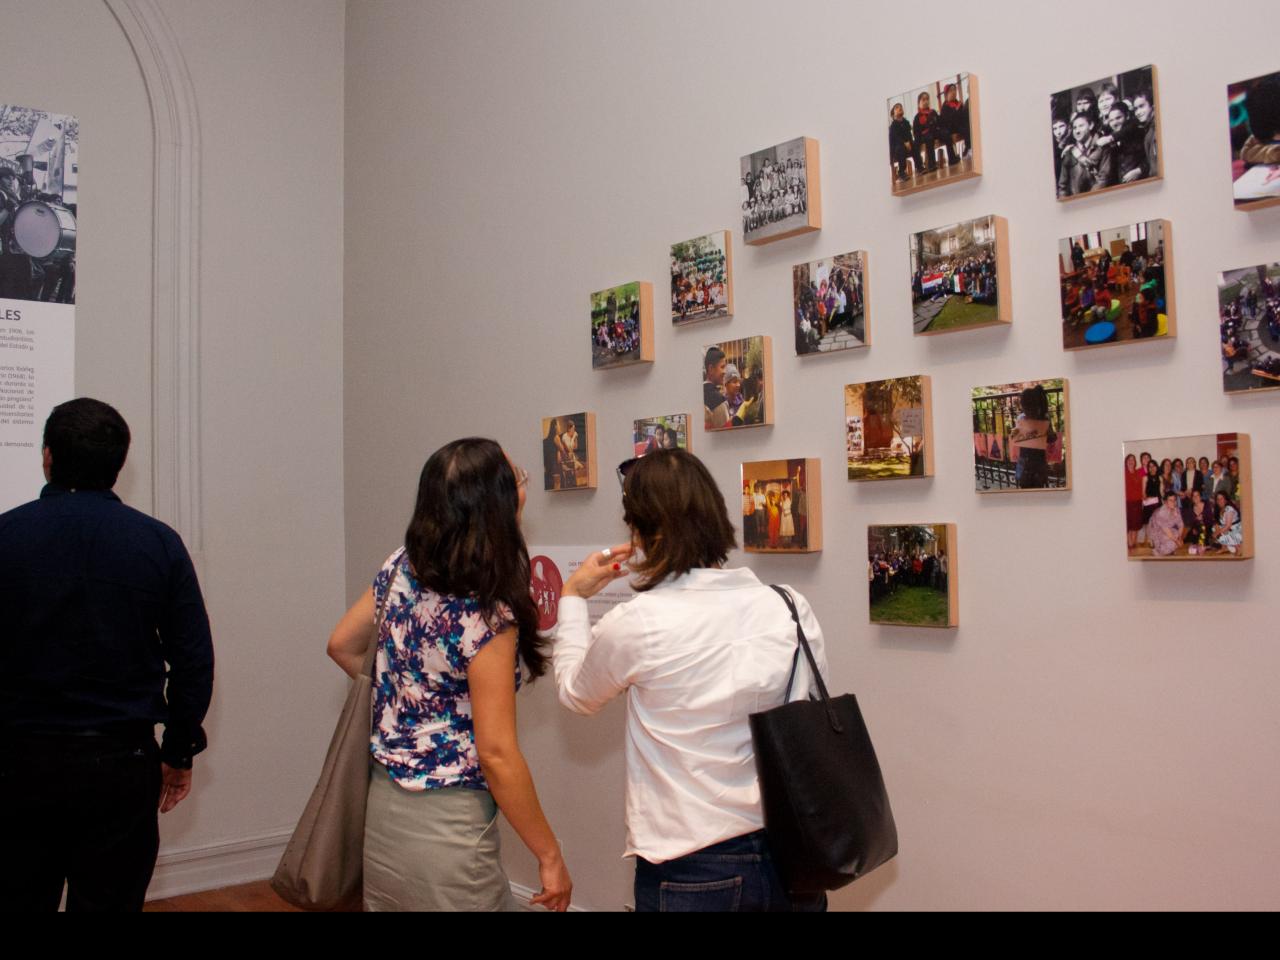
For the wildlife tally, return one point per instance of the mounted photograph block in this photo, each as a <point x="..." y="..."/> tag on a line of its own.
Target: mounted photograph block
<point x="1106" y="134"/>
<point x="1116" y="285"/>
<point x="1249" y="328"/>
<point x="622" y="325"/>
<point x="829" y="304"/>
<point x="702" y="278"/>
<point x="782" y="506"/>
<point x="1189" y="498"/>
<point x="660" y="433"/>
<point x="1020" y="437"/>
<point x="1253" y="111"/>
<point x="911" y="572"/>
<point x="569" y="452"/>
<point x="933" y="135"/>
<point x="889" y="428"/>
<point x="960" y="276"/>
<point x="737" y="383"/>
<point x="781" y="192"/>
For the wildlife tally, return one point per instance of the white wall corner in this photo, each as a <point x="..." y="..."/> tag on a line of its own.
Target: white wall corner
<point x="216" y="865"/>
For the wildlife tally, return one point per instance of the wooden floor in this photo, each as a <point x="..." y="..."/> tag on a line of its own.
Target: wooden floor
<point x="247" y="898"/>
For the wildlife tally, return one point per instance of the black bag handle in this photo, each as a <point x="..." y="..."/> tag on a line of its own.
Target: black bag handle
<point x="813" y="664"/>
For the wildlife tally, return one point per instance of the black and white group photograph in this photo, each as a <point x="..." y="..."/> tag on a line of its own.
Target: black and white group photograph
<point x="776" y="189"/>
<point x="1105" y="133"/>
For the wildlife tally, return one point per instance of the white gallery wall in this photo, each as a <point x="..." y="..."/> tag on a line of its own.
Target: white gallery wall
<point x="1096" y="733"/>
<point x="267" y="288"/>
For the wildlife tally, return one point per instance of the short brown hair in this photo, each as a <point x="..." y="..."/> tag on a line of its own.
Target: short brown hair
<point x="676" y="510"/>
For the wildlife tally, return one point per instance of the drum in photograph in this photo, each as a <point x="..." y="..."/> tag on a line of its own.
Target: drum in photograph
<point x="45" y="230"/>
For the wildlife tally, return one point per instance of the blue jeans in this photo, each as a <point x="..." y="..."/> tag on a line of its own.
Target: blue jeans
<point x="732" y="876"/>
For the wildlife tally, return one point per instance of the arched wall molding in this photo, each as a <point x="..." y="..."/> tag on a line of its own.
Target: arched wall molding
<point x="175" y="272"/>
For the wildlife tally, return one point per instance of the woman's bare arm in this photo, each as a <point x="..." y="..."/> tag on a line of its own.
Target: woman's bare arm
<point x="353" y="634"/>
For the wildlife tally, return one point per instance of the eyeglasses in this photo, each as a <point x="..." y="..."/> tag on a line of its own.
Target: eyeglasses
<point x="522" y="475"/>
<point x="624" y="468"/>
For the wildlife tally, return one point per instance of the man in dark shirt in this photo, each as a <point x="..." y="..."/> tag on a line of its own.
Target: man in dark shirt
<point x="97" y="599"/>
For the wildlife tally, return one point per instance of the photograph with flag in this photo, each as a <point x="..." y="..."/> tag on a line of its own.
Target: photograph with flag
<point x="38" y="173"/>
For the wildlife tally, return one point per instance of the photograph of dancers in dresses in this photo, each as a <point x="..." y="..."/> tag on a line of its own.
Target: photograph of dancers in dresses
<point x="1249" y="327"/>
<point x="887" y="428"/>
<point x="781" y="510"/>
<point x="568" y="452"/>
<point x="955" y="276"/>
<point x="932" y="135"/>
<point x="1253" y="109"/>
<point x="1020" y="437"/>
<point x="660" y="433"/>
<point x="1105" y="134"/>
<point x="622" y="325"/>
<point x="38" y="175"/>
<point x="702" y="278"/>
<point x="829" y="301"/>
<point x="910" y="575"/>
<point x="1116" y="286"/>
<point x="1187" y="498"/>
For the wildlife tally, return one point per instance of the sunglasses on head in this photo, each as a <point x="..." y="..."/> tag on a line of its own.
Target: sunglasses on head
<point x="624" y="468"/>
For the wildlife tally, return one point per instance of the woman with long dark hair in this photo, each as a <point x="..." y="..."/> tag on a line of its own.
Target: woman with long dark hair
<point x="460" y="622"/>
<point x="698" y="650"/>
<point x="1033" y="433"/>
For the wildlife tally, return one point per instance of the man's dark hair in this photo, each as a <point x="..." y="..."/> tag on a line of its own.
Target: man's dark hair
<point x="87" y="441"/>
<point x="714" y="355"/>
<point x="677" y="513"/>
<point x="1262" y="103"/>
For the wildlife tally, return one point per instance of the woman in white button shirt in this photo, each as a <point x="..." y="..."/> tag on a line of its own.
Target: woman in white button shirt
<point x="697" y="651"/>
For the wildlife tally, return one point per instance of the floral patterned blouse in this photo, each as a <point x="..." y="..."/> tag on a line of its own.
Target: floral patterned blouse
<point x="422" y="731"/>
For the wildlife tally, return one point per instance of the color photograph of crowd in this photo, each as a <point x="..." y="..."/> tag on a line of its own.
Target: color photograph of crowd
<point x="1253" y="110"/>
<point x="1249" y="327"/>
<point x="1185" y="497"/>
<point x="735" y="382"/>
<point x="566" y="453"/>
<point x="701" y="278"/>
<point x="909" y="571"/>
<point x="1020" y="436"/>
<point x="1104" y="133"/>
<point x="779" y="508"/>
<point x="954" y="282"/>
<point x="774" y="191"/>
<point x="829" y="302"/>
<point x="886" y="422"/>
<point x="616" y="326"/>
<point x="930" y="139"/>
<point x="660" y="433"/>
<point x="1112" y="285"/>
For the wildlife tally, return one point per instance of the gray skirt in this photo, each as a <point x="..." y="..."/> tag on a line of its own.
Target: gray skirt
<point x="432" y="849"/>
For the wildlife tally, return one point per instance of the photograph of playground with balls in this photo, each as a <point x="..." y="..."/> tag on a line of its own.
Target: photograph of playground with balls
<point x="959" y="274"/>
<point x="911" y="575"/>
<point x="1116" y="285"/>
<point x="888" y="429"/>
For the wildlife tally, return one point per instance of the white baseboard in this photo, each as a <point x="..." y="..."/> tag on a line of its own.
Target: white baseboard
<point x="216" y="865"/>
<point x="524" y="894"/>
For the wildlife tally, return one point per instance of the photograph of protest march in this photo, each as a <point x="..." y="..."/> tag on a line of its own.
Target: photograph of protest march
<point x="933" y="135"/>
<point x="780" y="192"/>
<point x="702" y="278"/>
<point x="782" y="506"/>
<point x="829" y="300"/>
<point x="569" y="452"/>
<point x="660" y="433"/>
<point x="911" y="575"/>
<point x="1249" y="327"/>
<point x="622" y="325"/>
<point x="960" y="276"/>
<point x="737" y="383"/>
<point x="1253" y="111"/>
<point x="1189" y="498"/>
<point x="1116" y="285"/>
<point x="889" y="429"/>
<point x="1020" y="437"/>
<point x="39" y="170"/>
<point x="1106" y="134"/>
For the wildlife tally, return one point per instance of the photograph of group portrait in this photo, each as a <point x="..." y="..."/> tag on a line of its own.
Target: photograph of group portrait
<point x="1106" y="134"/>
<point x="1189" y="498"/>
<point x="934" y="135"/>
<point x="829" y="302"/>
<point x="782" y="506"/>
<point x="1253" y="111"/>
<point x="960" y="276"/>
<point x="622" y="325"/>
<point x="1116" y="285"/>
<point x="888" y="429"/>
<point x="1249" y="327"/>
<point x="737" y="383"/>
<point x="660" y="433"/>
<point x="702" y="278"/>
<point x="1020" y="437"/>
<point x="569" y="452"/>
<point x="911" y="575"/>
<point x="780" y="193"/>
